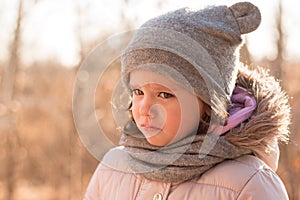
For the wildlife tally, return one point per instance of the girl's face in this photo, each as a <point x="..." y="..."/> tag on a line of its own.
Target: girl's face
<point x="163" y="110"/>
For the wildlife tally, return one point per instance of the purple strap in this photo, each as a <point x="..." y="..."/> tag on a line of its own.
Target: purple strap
<point x="243" y="105"/>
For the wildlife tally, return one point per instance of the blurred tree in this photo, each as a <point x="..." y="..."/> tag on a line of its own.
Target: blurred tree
<point x="79" y="10"/>
<point x="7" y="99"/>
<point x="75" y="152"/>
<point x="289" y="153"/>
<point x="277" y="64"/>
<point x="245" y="55"/>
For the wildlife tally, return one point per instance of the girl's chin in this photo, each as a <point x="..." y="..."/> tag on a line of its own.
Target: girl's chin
<point x="158" y="141"/>
<point x="155" y="139"/>
<point x="150" y="132"/>
<point x="155" y="142"/>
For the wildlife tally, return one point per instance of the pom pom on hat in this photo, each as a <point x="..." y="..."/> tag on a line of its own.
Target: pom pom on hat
<point x="247" y="16"/>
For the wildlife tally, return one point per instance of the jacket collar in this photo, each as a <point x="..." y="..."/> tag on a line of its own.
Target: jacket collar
<point x="270" y="120"/>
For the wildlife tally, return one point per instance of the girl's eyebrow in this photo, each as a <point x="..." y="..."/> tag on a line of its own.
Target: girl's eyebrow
<point x="155" y="87"/>
<point x="151" y="85"/>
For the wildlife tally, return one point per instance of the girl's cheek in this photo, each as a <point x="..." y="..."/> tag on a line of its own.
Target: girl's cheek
<point x="134" y="110"/>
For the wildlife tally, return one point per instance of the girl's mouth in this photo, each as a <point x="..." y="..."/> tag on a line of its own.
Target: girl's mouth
<point x="149" y="129"/>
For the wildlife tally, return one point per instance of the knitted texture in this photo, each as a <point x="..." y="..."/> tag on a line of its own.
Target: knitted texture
<point x="179" y="161"/>
<point x="216" y="32"/>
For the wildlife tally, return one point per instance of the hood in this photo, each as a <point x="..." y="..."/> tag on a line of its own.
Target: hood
<point x="270" y="121"/>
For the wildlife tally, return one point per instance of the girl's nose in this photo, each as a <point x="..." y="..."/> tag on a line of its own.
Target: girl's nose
<point x="145" y="107"/>
<point x="152" y="110"/>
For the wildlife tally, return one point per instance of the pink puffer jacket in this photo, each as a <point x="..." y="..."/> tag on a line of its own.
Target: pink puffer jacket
<point x="247" y="177"/>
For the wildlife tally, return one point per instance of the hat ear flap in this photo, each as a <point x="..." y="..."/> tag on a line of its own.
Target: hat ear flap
<point x="247" y="16"/>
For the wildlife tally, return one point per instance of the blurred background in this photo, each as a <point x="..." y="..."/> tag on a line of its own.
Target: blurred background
<point x="43" y="43"/>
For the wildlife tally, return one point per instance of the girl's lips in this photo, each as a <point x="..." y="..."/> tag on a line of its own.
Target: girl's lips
<point x="150" y="128"/>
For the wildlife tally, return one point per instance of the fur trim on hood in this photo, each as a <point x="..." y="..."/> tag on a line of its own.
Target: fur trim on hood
<point x="271" y="118"/>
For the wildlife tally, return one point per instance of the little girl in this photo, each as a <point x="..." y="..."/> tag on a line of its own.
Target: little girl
<point x="202" y="125"/>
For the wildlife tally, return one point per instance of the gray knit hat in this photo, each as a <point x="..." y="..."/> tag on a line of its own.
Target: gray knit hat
<point x="201" y="45"/>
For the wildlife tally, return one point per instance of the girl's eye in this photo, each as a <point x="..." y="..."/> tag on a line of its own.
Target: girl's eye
<point x="137" y="92"/>
<point x="165" y="95"/>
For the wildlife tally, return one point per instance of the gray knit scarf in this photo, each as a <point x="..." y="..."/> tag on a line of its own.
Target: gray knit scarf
<point x="177" y="162"/>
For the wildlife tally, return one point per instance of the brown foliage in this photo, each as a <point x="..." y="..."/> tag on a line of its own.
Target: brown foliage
<point x="46" y="133"/>
<point x="47" y="142"/>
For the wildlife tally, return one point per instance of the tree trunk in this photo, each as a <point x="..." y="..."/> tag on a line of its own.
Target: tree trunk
<point x="8" y="124"/>
<point x="288" y="152"/>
